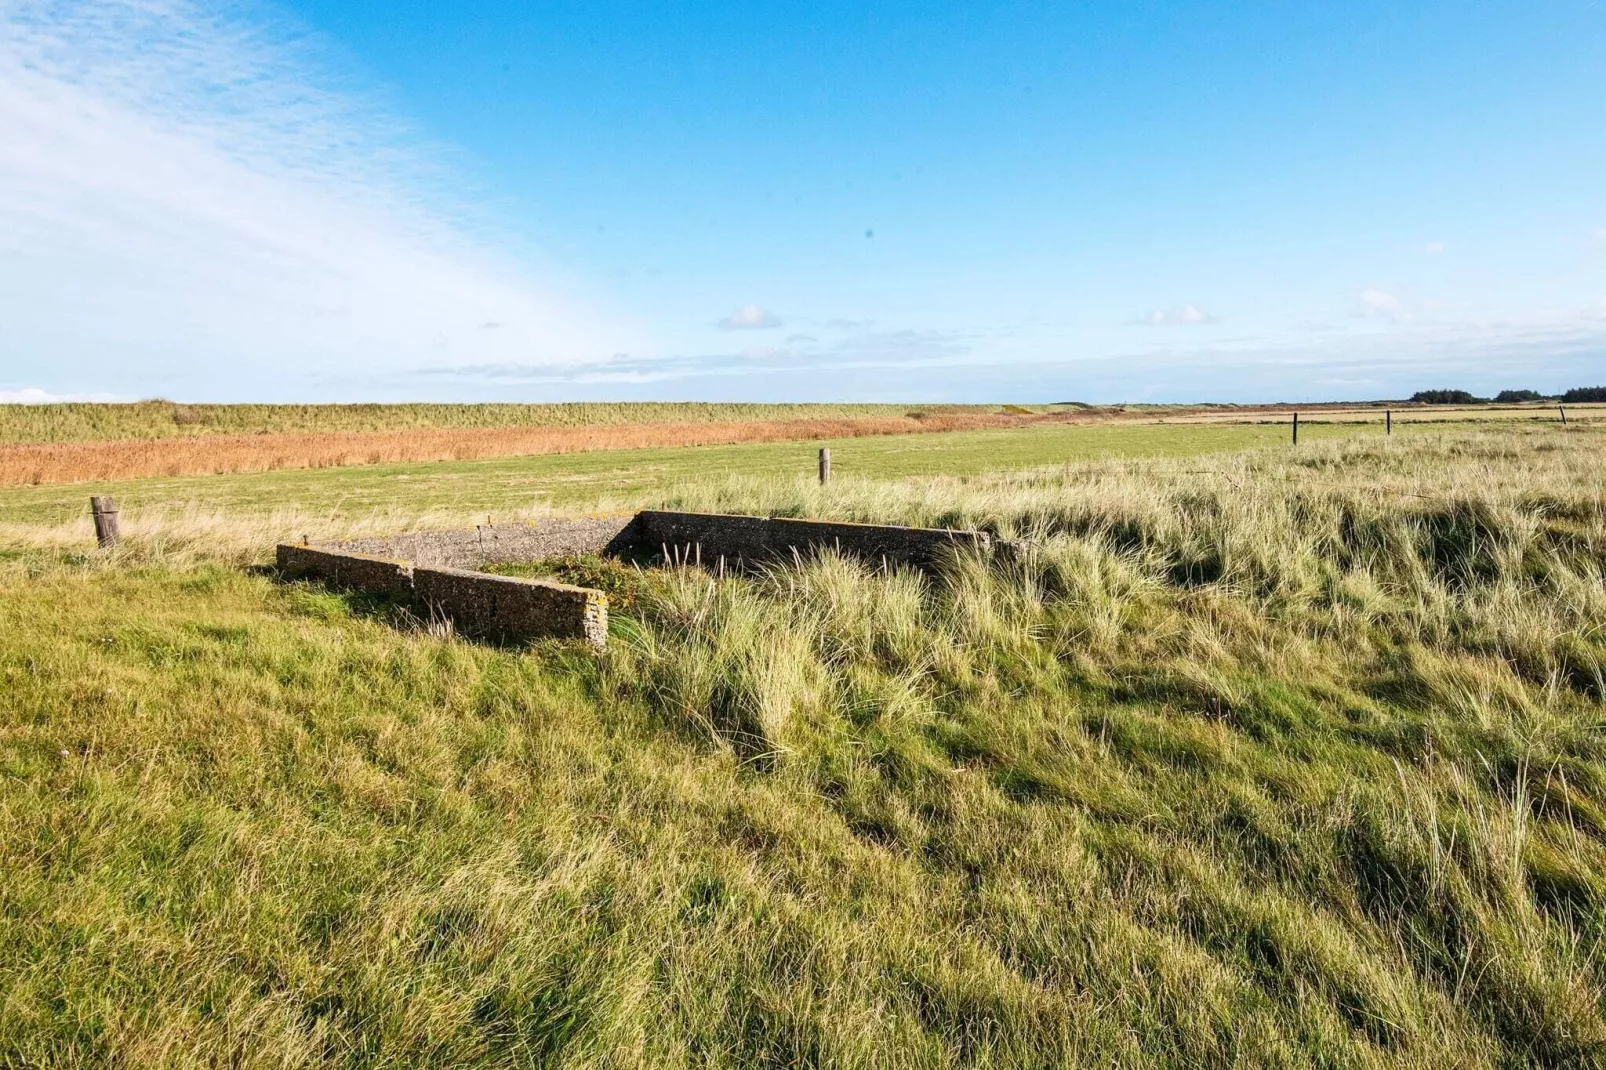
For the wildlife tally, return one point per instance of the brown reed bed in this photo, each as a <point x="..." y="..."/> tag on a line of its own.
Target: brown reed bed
<point x="72" y="462"/>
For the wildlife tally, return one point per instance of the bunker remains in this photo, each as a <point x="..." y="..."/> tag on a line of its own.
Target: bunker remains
<point x="436" y="569"/>
<point x="505" y="607"/>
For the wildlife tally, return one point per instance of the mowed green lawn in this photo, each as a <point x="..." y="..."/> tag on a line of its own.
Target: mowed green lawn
<point x="627" y="477"/>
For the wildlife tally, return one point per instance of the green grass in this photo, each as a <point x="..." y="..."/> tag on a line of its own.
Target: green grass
<point x="628" y="477"/>
<point x="83" y="422"/>
<point x="1263" y="759"/>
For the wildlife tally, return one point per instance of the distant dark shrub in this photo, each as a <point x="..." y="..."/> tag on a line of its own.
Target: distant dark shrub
<point x="1508" y="397"/>
<point x="184" y="415"/>
<point x="1585" y="393"/>
<point x="1445" y="397"/>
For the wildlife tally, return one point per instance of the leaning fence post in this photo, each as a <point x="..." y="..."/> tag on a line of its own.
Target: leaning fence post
<point x="1296" y="428"/>
<point x="104" y="510"/>
<point x="825" y="465"/>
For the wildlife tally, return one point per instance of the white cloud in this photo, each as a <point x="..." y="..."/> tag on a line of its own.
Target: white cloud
<point x="1185" y="316"/>
<point x="750" y="318"/>
<point x="185" y="205"/>
<point x="31" y="395"/>
<point x="1381" y="304"/>
<point x="889" y="350"/>
<point x="1434" y="248"/>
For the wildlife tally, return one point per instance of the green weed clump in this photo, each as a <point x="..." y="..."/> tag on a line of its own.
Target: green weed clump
<point x="1269" y="759"/>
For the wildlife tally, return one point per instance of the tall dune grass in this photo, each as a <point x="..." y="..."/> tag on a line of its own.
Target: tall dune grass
<point x="1279" y="759"/>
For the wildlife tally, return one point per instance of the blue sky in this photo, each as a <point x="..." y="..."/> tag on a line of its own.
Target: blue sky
<point x="322" y="200"/>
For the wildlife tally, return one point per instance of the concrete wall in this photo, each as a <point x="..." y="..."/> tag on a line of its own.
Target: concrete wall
<point x="494" y="544"/>
<point x="694" y="536"/>
<point x="496" y="607"/>
<point x="360" y="572"/>
<point x="437" y="572"/>
<point x="709" y="537"/>
<point x="502" y="607"/>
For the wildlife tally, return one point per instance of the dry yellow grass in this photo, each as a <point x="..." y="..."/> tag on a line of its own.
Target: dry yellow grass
<point x="71" y="462"/>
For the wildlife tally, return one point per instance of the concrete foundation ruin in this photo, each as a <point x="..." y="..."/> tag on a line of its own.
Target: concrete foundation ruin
<point x="437" y="569"/>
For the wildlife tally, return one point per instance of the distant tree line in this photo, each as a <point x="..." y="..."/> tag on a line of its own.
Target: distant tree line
<point x="1463" y="397"/>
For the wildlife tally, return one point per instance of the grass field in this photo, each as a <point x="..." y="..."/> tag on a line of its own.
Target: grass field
<point x="1262" y="757"/>
<point x="68" y="443"/>
<point x="612" y="479"/>
<point x="96" y="422"/>
<point x="157" y="420"/>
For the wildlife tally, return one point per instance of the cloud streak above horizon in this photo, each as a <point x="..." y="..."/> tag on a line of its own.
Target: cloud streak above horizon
<point x="1387" y="360"/>
<point x="185" y="194"/>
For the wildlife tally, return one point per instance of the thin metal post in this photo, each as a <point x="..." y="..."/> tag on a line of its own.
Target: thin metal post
<point x="104" y="510"/>
<point x="825" y="465"/>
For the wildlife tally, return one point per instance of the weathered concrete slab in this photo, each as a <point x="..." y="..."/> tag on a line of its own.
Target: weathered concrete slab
<point x="709" y="537"/>
<point x="436" y="568"/>
<point x="499" y="544"/>
<point x="507" y="608"/>
<point x="359" y="572"/>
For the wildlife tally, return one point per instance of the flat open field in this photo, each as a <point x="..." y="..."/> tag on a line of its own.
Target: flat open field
<point x="75" y="443"/>
<point x="1263" y="756"/>
<point x="1527" y="412"/>
<point x="147" y="420"/>
<point x="76" y="462"/>
<point x="509" y="487"/>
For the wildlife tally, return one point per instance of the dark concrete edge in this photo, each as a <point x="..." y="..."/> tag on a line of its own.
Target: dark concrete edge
<point x="322" y="563"/>
<point x="526" y="581"/>
<point x="631" y="543"/>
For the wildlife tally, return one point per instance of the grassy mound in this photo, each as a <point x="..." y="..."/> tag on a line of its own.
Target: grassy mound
<point x="100" y="422"/>
<point x="1270" y="759"/>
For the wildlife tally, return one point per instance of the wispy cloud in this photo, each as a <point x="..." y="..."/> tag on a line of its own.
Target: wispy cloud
<point x="750" y="318"/>
<point x="880" y="351"/>
<point x="30" y="395"/>
<point x="1434" y="248"/>
<point x="189" y="198"/>
<point x="1348" y="360"/>
<point x="1183" y="316"/>
<point x="1380" y="304"/>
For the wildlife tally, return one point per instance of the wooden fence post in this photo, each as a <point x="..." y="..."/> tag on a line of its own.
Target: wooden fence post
<point x="825" y="465"/>
<point x="104" y="510"/>
<point x="1563" y="410"/>
<point x="1388" y="421"/>
<point x="1296" y="428"/>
